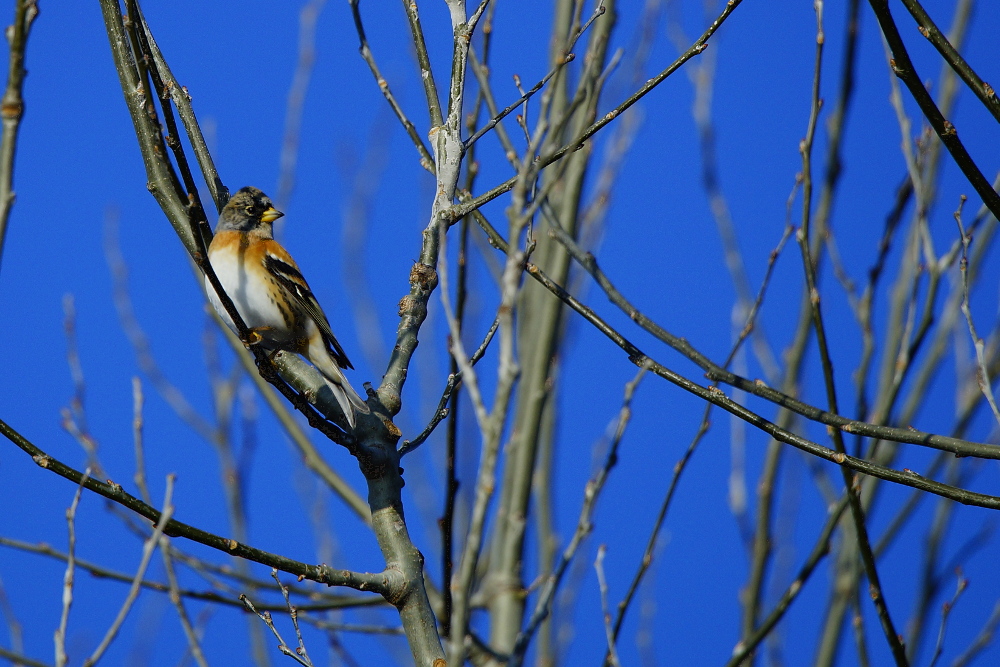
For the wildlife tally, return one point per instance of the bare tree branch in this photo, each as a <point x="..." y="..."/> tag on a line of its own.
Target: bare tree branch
<point x="12" y="106"/>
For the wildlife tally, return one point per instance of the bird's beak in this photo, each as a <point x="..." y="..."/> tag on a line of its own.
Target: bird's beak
<point x="271" y="214"/>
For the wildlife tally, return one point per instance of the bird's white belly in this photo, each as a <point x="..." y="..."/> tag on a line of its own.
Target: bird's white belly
<point x="252" y="299"/>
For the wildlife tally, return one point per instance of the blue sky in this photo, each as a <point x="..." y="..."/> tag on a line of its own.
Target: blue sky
<point x="78" y="168"/>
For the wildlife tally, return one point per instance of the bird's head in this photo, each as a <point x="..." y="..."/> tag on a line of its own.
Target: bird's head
<point x="248" y="210"/>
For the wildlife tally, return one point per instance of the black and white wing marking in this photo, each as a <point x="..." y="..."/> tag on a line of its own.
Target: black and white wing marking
<point x="292" y="280"/>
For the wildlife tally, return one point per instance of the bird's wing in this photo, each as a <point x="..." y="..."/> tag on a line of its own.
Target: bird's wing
<point x="280" y="264"/>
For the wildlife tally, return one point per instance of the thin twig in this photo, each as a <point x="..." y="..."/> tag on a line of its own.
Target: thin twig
<point x="184" y="188"/>
<point x="69" y="576"/>
<point x="424" y="62"/>
<point x="321" y="603"/>
<point x="950" y="54"/>
<point x="481" y="71"/>
<point x="758" y="388"/>
<point x="363" y="171"/>
<point x="138" y="400"/>
<point x="458" y="353"/>
<point x="193" y="640"/>
<point x="294" y="614"/>
<point x="822" y="547"/>
<point x="584" y="526"/>
<point x="282" y="646"/>
<point x="857" y="511"/>
<point x="602" y="585"/>
<point x="426" y="161"/>
<point x="382" y="583"/>
<point x="698" y="47"/>
<point x="223" y="387"/>
<point x="178" y="94"/>
<point x="74" y="417"/>
<point x="567" y="57"/>
<point x="14" y="628"/>
<point x="136" y="335"/>
<point x="295" y="105"/>
<point x="946" y="608"/>
<point x="928" y="581"/>
<point x="447" y="522"/>
<point x="12" y="106"/>
<point x="147" y="554"/>
<point x="858" y="625"/>
<point x="647" y="557"/>
<point x="982" y="373"/>
<point x="904" y="69"/>
<point x="19" y="660"/>
<point x="452" y="384"/>
<point x="490" y="424"/>
<point x="981" y="641"/>
<point x="717" y="373"/>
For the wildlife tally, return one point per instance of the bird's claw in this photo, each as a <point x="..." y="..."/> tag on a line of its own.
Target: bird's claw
<point x="254" y="336"/>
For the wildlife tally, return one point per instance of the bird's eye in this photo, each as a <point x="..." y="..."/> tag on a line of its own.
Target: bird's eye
<point x="249" y="210"/>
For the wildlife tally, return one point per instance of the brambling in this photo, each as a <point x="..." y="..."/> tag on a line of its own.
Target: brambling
<point x="271" y="295"/>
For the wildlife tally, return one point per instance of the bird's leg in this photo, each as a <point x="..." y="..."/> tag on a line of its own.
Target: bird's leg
<point x="254" y="336"/>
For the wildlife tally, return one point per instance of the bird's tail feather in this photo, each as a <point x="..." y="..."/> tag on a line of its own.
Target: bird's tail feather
<point x="343" y="400"/>
<point x="348" y="399"/>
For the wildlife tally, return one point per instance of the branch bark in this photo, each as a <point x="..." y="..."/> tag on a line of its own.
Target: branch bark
<point x="12" y="106"/>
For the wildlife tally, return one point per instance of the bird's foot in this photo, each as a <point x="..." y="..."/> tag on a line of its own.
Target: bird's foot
<point x="254" y="335"/>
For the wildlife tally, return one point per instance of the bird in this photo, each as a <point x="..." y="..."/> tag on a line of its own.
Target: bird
<point x="272" y="296"/>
